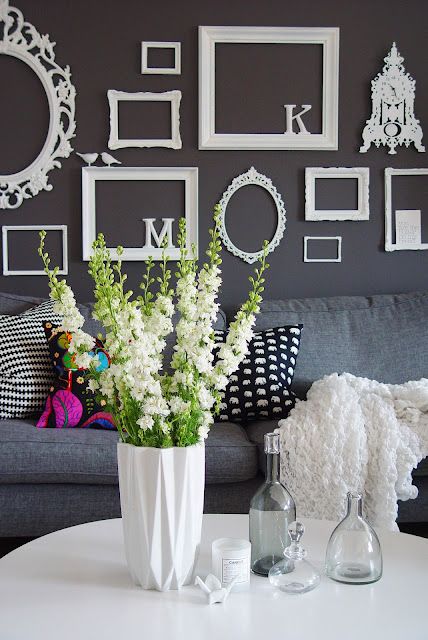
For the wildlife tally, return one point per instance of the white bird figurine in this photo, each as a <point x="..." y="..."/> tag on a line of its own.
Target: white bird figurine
<point x="108" y="159"/>
<point x="213" y="589"/>
<point x="89" y="158"/>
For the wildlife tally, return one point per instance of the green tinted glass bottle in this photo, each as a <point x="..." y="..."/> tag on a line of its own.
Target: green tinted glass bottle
<point x="272" y="510"/>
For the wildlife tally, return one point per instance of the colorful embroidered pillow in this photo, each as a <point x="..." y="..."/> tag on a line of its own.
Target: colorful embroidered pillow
<point x="70" y="402"/>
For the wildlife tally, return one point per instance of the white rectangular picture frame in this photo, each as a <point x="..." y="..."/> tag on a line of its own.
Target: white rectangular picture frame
<point x="339" y="249"/>
<point x="175" y="70"/>
<point x="115" y="97"/>
<point x="327" y="37"/>
<point x="389" y="244"/>
<point x="92" y="175"/>
<point x="361" y="174"/>
<point x="35" y="272"/>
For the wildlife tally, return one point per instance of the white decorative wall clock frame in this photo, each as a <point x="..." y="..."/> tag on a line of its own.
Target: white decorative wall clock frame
<point x="188" y="175"/>
<point x="252" y="177"/>
<point x="114" y="97"/>
<point x="393" y="122"/>
<point x="361" y="174"/>
<point x="327" y="37"/>
<point x="25" y="272"/>
<point x="389" y="244"/>
<point x="306" y="241"/>
<point x="21" y="40"/>
<point x="175" y="70"/>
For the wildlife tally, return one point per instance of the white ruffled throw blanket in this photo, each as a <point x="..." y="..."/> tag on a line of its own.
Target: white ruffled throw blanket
<point x="354" y="434"/>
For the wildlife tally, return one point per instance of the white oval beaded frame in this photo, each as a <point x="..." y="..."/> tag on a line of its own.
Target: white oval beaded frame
<point x="252" y="177"/>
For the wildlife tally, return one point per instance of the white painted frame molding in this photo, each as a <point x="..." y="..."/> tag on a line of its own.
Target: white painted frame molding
<point x="92" y="175"/>
<point x="174" y="97"/>
<point x="21" y="40"/>
<point x="389" y="244"/>
<point x="361" y="174"/>
<point x="327" y="37"/>
<point x="339" y="249"/>
<point x="48" y="227"/>
<point x="175" y="70"/>
<point x="252" y="177"/>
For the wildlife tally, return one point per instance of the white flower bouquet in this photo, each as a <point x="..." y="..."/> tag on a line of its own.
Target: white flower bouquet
<point x="152" y="406"/>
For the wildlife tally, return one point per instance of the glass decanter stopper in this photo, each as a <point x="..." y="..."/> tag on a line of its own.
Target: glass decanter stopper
<point x="294" y="574"/>
<point x="272" y="510"/>
<point x="353" y="552"/>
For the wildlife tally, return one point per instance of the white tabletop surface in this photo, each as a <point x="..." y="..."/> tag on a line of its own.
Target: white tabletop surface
<point x="74" y="585"/>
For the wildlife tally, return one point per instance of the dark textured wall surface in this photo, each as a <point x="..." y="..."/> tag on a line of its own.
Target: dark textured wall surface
<point x="100" y="40"/>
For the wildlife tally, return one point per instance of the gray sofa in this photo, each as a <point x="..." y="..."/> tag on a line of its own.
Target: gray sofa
<point x="51" y="479"/>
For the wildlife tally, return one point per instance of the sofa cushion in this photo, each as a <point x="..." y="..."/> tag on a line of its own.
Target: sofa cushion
<point x="88" y="456"/>
<point x="260" y="388"/>
<point x="25" y="366"/>
<point x="256" y="433"/>
<point x="381" y="337"/>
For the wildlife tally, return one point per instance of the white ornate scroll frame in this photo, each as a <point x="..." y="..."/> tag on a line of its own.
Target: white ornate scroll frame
<point x="92" y="175"/>
<point x="25" y="272"/>
<point x="175" y="70"/>
<point x="21" y="40"/>
<point x="327" y="37"/>
<point x="306" y="240"/>
<point x="174" y="97"/>
<point x="361" y="174"/>
<point x="252" y="177"/>
<point x="389" y="244"/>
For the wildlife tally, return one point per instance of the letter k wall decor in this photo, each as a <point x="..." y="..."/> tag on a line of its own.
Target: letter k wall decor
<point x="294" y="116"/>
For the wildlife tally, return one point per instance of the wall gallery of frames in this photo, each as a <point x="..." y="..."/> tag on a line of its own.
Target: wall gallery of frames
<point x="311" y="137"/>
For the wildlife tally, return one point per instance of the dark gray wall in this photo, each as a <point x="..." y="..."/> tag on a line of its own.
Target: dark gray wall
<point x="100" y="40"/>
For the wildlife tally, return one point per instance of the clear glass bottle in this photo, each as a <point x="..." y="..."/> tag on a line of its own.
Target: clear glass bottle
<point x="294" y="574"/>
<point x="272" y="510"/>
<point x="353" y="552"/>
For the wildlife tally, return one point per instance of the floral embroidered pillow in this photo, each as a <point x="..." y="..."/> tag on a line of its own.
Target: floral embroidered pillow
<point x="70" y="402"/>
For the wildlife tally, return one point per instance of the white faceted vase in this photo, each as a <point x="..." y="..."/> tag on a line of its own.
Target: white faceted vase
<point x="162" y="499"/>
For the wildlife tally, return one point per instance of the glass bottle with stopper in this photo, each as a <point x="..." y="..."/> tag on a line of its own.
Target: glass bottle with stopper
<point x="272" y="509"/>
<point x="294" y="574"/>
<point x="353" y="552"/>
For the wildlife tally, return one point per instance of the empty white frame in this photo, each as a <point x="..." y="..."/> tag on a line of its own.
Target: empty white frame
<point x="175" y="70"/>
<point x="115" y="97"/>
<point x="92" y="175"/>
<point x="361" y="174"/>
<point x="338" y="257"/>
<point x="389" y="244"/>
<point x="36" y="272"/>
<point x="252" y="177"/>
<point x="327" y="37"/>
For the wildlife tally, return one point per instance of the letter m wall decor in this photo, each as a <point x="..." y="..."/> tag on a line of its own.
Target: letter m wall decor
<point x="127" y="213"/>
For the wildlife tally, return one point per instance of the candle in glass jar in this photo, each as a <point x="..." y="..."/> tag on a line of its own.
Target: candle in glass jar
<point x="230" y="560"/>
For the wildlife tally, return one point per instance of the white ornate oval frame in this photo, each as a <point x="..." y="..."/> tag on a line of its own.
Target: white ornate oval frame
<point x="252" y="177"/>
<point x="21" y="40"/>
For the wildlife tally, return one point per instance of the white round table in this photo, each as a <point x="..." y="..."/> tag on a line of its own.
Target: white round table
<point x="74" y="585"/>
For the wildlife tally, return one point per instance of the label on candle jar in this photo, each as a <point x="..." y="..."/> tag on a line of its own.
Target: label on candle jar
<point x="235" y="567"/>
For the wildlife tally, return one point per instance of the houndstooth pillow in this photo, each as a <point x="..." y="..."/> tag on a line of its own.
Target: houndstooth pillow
<point x="25" y="366"/>
<point x="260" y="388"/>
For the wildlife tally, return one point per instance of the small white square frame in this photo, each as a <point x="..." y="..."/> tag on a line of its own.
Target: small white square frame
<point x="114" y="97"/>
<point x="389" y="244"/>
<point x="92" y="175"/>
<point x="47" y="227"/>
<point x="339" y="249"/>
<point x="361" y="174"/>
<point x="327" y="37"/>
<point x="175" y="70"/>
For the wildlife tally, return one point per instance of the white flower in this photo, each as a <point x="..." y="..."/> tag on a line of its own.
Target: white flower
<point x="93" y="385"/>
<point x="145" y="422"/>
